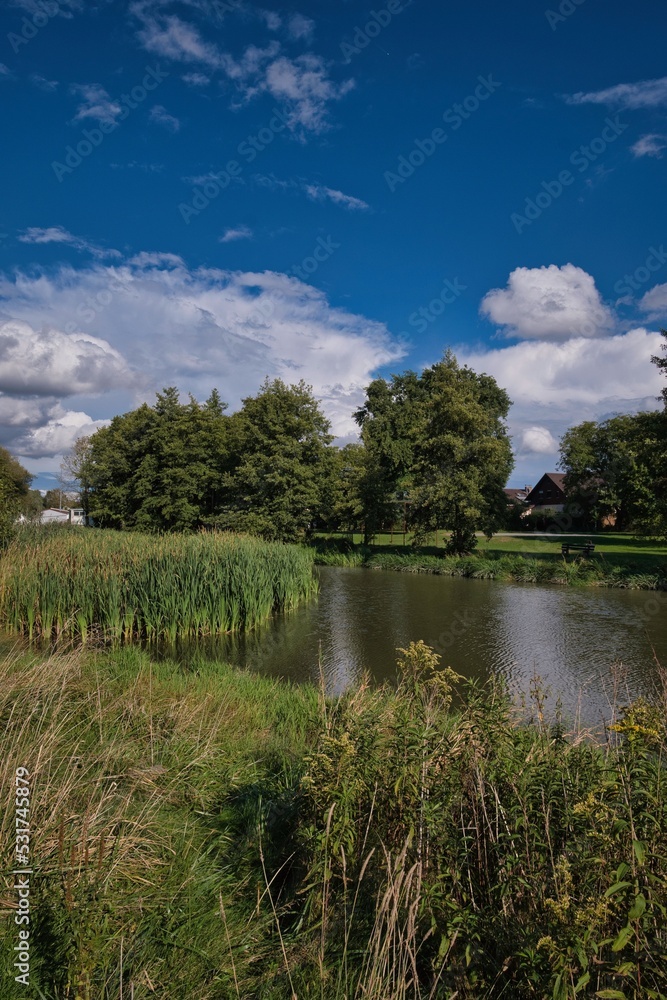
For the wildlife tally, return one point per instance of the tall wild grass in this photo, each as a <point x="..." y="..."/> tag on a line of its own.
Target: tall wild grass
<point x="71" y="582"/>
<point x="203" y="834"/>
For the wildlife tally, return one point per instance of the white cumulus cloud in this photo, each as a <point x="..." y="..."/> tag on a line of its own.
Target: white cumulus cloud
<point x="194" y="328"/>
<point x="48" y="362"/>
<point x="556" y="385"/>
<point x="57" y="435"/>
<point x="655" y="302"/>
<point x="538" y="440"/>
<point x="548" y="303"/>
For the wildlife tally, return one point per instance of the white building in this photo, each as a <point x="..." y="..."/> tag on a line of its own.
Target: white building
<point x="54" y="515"/>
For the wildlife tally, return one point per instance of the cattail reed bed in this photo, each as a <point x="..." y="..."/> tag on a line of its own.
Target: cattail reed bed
<point x="72" y="583"/>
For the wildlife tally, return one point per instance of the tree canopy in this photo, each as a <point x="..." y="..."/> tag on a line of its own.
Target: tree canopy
<point x="16" y="497"/>
<point x="433" y="445"/>
<point x="438" y="443"/>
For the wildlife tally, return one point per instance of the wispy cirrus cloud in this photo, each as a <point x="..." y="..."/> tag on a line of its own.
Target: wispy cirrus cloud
<point x="172" y="38"/>
<point x="95" y="104"/>
<point x="630" y="96"/>
<point x="302" y="85"/>
<point x="319" y="192"/>
<point x="314" y="191"/>
<point x="196" y="79"/>
<point x="41" y="81"/>
<point x="650" y="145"/>
<point x="160" y="116"/>
<point x="56" y="234"/>
<point x="236" y="233"/>
<point x="301" y="27"/>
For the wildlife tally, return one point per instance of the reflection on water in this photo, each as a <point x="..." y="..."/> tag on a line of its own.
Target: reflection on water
<point x="572" y="638"/>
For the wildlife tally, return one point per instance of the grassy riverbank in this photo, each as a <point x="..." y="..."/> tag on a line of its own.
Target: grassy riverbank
<point x="618" y="561"/>
<point x="76" y="583"/>
<point x="201" y="833"/>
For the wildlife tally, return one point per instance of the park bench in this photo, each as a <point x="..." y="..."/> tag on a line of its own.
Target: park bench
<point x="587" y="548"/>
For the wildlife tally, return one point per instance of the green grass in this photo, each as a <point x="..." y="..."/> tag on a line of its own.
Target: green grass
<point x="147" y="782"/>
<point x="77" y="583"/>
<point x="199" y="833"/>
<point x="618" y="561"/>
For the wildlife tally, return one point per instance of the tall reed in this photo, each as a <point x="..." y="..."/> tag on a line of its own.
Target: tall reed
<point x="77" y="583"/>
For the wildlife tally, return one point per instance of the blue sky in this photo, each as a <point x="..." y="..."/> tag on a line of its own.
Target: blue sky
<point x="206" y="192"/>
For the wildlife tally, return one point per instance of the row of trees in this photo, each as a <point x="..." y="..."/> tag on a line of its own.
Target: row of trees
<point x="433" y="453"/>
<point x="617" y="469"/>
<point x="434" y="445"/>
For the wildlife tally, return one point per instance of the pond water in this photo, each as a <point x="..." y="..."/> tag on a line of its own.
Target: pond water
<point x="584" y="643"/>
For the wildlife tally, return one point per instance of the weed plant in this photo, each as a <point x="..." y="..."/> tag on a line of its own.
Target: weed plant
<point x="73" y="582"/>
<point x="199" y="833"/>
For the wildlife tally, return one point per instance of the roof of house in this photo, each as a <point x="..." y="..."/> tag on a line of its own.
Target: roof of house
<point x="542" y="490"/>
<point x="515" y="494"/>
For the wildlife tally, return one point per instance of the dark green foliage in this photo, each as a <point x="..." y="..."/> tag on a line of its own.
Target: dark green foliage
<point x="282" y="465"/>
<point x="498" y="860"/>
<point x="661" y="364"/>
<point x="158" y="468"/>
<point x="206" y="834"/>
<point x="438" y="441"/>
<point x="266" y="470"/>
<point x="463" y="456"/>
<point x="15" y="494"/>
<point x="618" y="468"/>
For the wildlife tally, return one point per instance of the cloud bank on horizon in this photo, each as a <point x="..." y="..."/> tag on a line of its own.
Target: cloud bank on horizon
<point x="295" y="259"/>
<point x="152" y="321"/>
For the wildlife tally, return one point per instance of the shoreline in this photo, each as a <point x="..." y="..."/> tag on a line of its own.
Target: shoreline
<point x="504" y="567"/>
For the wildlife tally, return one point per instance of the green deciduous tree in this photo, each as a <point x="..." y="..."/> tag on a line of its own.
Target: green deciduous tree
<point x="462" y="454"/>
<point x="440" y="440"/>
<point x="15" y="493"/>
<point x="661" y="364"/>
<point x="157" y="468"/>
<point x="281" y="479"/>
<point x="618" y="469"/>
